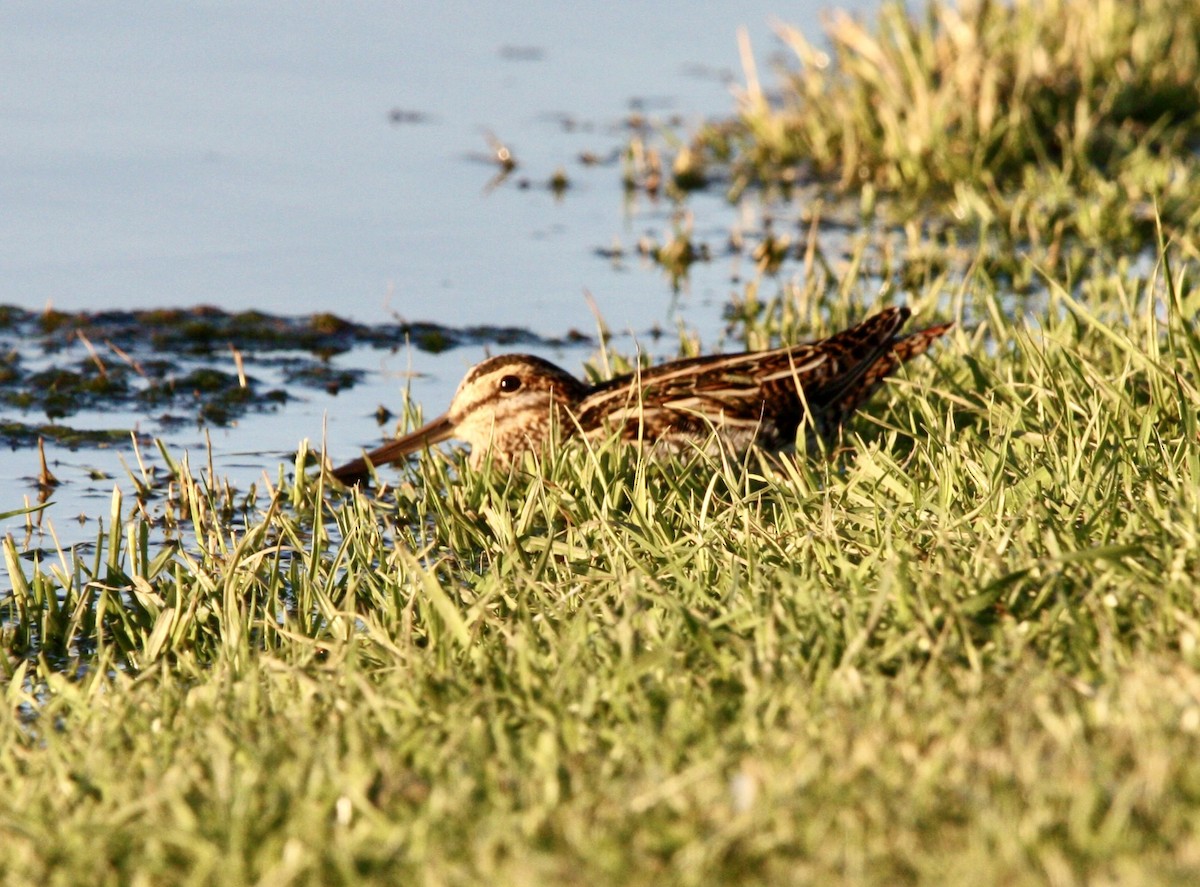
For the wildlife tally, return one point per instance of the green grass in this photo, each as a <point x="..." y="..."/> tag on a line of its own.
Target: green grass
<point x="1031" y="125"/>
<point x="965" y="647"/>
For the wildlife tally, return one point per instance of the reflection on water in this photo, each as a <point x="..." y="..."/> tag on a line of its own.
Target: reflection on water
<point x="338" y="160"/>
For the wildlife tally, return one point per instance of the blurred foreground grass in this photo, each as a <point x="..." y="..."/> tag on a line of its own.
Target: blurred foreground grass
<point x="965" y="647"/>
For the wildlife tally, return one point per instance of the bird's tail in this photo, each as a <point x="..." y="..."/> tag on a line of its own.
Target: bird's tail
<point x="845" y="401"/>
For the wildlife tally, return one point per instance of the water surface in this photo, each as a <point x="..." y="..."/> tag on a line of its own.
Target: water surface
<point x="333" y="157"/>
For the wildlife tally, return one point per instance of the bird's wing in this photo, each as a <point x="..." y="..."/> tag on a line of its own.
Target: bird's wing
<point x="747" y="389"/>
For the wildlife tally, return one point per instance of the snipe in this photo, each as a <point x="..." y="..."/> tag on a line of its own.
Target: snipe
<point x="509" y="404"/>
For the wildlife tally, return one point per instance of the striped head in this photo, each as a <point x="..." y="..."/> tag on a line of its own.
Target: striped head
<point x="507" y="404"/>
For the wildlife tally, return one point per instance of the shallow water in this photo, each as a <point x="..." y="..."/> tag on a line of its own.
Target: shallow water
<point x="334" y="158"/>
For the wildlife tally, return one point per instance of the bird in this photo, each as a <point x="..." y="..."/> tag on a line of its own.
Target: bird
<point x="513" y="403"/>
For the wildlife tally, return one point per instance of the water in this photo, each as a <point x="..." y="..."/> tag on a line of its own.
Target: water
<point x="331" y="157"/>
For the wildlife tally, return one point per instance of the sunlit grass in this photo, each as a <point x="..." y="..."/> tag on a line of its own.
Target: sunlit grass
<point x="966" y="643"/>
<point x="1042" y="126"/>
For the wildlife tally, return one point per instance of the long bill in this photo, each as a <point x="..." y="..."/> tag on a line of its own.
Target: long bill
<point x="427" y="435"/>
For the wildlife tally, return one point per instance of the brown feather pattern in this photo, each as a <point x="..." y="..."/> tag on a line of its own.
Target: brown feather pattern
<point x="509" y="404"/>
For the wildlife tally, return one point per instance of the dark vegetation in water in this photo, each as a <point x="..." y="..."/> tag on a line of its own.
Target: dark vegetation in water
<point x="21" y="434"/>
<point x="205" y="330"/>
<point x="185" y="365"/>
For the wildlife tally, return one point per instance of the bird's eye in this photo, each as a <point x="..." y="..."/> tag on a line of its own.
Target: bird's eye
<point x="509" y="384"/>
